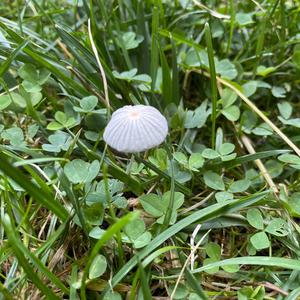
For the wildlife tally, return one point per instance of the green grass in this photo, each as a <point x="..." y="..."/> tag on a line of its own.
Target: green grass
<point x="212" y="213"/>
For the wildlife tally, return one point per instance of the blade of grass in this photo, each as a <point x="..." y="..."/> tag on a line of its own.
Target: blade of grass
<point x="213" y="82"/>
<point x="6" y="64"/>
<point x="166" y="79"/>
<point x="232" y="20"/>
<point x="108" y="235"/>
<point x="17" y="244"/>
<point x="175" y="76"/>
<point x="144" y="283"/>
<point x="40" y="195"/>
<point x="73" y="292"/>
<point x="251" y="157"/>
<point x="278" y="262"/>
<point x="45" y="62"/>
<point x="19" y="253"/>
<point x="154" y="49"/>
<point x="172" y="191"/>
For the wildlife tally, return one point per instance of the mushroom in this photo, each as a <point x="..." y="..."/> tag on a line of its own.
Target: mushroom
<point x="135" y="128"/>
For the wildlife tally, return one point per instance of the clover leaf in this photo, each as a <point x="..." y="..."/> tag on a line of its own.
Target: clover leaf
<point x="79" y="171"/>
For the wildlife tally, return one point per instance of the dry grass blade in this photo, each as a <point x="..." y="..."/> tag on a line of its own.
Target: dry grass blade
<point x="247" y="143"/>
<point x="105" y="87"/>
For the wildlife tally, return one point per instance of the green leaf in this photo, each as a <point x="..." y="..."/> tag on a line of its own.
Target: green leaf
<point x="226" y="148"/>
<point x="143" y="240"/>
<point x="196" y="161"/>
<point x="213" y="180"/>
<point x="231" y="268"/>
<point x="292" y="122"/>
<point x="213" y="250"/>
<point x="223" y="196"/>
<point x="54" y="126"/>
<point x="181" y="158"/>
<point x="274" y="167"/>
<point x="5" y="101"/>
<point x="178" y="200"/>
<point x="98" y="266"/>
<point x="239" y="186"/>
<point x="265" y="71"/>
<point x="89" y="103"/>
<point x="96" y="233"/>
<point x="226" y="69"/>
<point x="197" y="118"/>
<point x="135" y="228"/>
<point x="31" y="87"/>
<point x="14" y="135"/>
<point x="249" y="88"/>
<point x="263" y="129"/>
<point x="79" y="171"/>
<point x="255" y="218"/>
<point x="243" y="19"/>
<point x="180" y="293"/>
<point x="58" y="142"/>
<point x="210" y="153"/>
<point x="112" y="295"/>
<point x="228" y="97"/>
<point x="60" y="117"/>
<point x="278" y="92"/>
<point x="208" y="261"/>
<point x="152" y="204"/>
<point x="260" y="240"/>
<point x="294" y="203"/>
<point x="29" y="72"/>
<point x="285" y="109"/>
<point x="35" y="98"/>
<point x="130" y="40"/>
<point x="278" y="227"/>
<point x="94" y="214"/>
<point x="232" y="113"/>
<point x="290" y="159"/>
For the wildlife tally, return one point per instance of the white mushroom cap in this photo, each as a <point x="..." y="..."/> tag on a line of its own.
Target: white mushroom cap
<point x="135" y="128"/>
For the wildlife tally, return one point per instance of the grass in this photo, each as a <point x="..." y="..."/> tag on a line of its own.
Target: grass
<point x="212" y="213"/>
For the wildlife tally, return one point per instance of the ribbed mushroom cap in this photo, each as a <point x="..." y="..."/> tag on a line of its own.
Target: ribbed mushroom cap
<point x="135" y="128"/>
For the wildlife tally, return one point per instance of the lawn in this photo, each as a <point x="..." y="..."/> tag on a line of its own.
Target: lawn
<point x="149" y="149"/>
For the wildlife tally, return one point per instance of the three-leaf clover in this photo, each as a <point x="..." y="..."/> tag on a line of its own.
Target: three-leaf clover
<point x="225" y="152"/>
<point x="79" y="171"/>
<point x="193" y="163"/>
<point x="14" y="135"/>
<point x="59" y="141"/>
<point x="286" y="109"/>
<point x="229" y="110"/>
<point x="88" y="105"/>
<point x="33" y="78"/>
<point x="135" y="233"/>
<point x="61" y="121"/>
<point x="158" y="206"/>
<point x="276" y="226"/>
